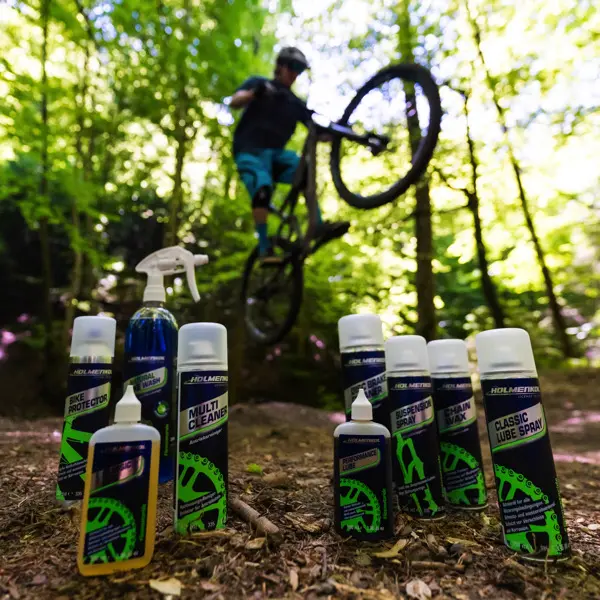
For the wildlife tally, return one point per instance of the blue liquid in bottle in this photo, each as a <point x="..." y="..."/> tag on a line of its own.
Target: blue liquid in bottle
<point x="150" y="356"/>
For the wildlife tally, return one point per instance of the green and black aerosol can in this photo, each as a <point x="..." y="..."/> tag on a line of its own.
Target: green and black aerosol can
<point x="415" y="445"/>
<point x="528" y="494"/>
<point x="456" y="415"/>
<point x="87" y="402"/>
<point x="202" y="460"/>
<point x="363" y="475"/>
<point x="363" y="363"/>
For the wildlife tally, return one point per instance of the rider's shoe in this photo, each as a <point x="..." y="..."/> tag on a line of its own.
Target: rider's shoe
<point x="330" y="230"/>
<point x="270" y="258"/>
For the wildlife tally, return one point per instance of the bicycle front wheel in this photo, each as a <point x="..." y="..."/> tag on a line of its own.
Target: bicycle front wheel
<point x="402" y="103"/>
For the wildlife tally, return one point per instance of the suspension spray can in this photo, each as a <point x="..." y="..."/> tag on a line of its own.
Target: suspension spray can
<point x="415" y="446"/>
<point x="531" y="510"/>
<point x="87" y="402"/>
<point x="363" y="364"/>
<point x="202" y="460"/>
<point x="456" y="415"/>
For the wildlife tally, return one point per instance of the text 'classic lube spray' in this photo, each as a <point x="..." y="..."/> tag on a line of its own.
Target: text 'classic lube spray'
<point x="202" y="446"/>
<point x="363" y="475"/>
<point x="456" y="414"/>
<point x="415" y="446"/>
<point x="88" y="396"/>
<point x="151" y="346"/>
<point x="363" y="363"/>
<point x="528" y="492"/>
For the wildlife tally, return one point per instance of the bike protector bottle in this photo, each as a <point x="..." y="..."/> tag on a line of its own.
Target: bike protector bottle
<point x="202" y="460"/>
<point x="415" y="446"/>
<point x="531" y="510"/>
<point x="118" y="519"/>
<point x="460" y="450"/>
<point x="363" y="363"/>
<point x="363" y="475"/>
<point x="87" y="402"/>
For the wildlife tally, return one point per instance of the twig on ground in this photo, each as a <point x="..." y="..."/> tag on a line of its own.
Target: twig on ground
<point x="262" y="524"/>
<point x="430" y="564"/>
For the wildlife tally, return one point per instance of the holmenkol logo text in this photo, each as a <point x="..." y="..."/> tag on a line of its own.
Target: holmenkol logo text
<point x="209" y="379"/>
<point x="95" y="372"/>
<point x="518" y="389"/>
<point x="412" y="386"/>
<point x="366" y="361"/>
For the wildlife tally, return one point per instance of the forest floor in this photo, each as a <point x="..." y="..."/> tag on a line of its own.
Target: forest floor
<point x="461" y="557"/>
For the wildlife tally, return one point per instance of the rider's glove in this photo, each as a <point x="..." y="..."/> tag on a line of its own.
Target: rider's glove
<point x="264" y="88"/>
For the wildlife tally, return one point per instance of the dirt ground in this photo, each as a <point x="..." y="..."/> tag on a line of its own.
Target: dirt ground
<point x="461" y="557"/>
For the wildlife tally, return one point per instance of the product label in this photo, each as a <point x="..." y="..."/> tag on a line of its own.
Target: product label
<point x="460" y="450"/>
<point x="528" y="493"/>
<point x="415" y="447"/>
<point x="201" y="496"/>
<point x="116" y="525"/>
<point x="363" y="493"/>
<point x="153" y="383"/>
<point x="86" y="411"/>
<point x="366" y="370"/>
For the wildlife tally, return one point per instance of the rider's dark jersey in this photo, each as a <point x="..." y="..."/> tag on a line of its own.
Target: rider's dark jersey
<point x="269" y="121"/>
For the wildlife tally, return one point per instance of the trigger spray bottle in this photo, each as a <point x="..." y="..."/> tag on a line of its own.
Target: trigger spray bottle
<point x="151" y="346"/>
<point x="87" y="402"/>
<point x="532" y="516"/>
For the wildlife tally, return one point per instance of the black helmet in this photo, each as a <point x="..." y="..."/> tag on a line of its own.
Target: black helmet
<point x="292" y="58"/>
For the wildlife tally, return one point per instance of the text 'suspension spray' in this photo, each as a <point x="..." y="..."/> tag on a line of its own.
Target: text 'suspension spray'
<point x="415" y="446"/>
<point x="528" y="492"/>
<point x="363" y="363"/>
<point x="88" y="396"/>
<point x="202" y="460"/>
<point x="363" y="476"/>
<point x="460" y="449"/>
<point x="118" y="519"/>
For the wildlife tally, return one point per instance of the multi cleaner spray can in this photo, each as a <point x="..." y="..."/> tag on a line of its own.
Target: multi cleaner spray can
<point x="202" y="461"/>
<point x="456" y="415"/>
<point x="528" y="495"/>
<point x="363" y="364"/>
<point x="415" y="446"/>
<point x="87" y="402"/>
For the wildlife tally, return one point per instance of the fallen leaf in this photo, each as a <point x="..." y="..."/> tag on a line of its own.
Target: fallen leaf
<point x="593" y="526"/>
<point x="256" y="543"/>
<point x="310" y="525"/>
<point x="294" y="579"/>
<point x="362" y="559"/>
<point x="207" y="586"/>
<point x="486" y="520"/>
<point x="168" y="587"/>
<point x="417" y="588"/>
<point x="254" y="468"/>
<point x="453" y="540"/>
<point x="39" y="580"/>
<point x="279" y="479"/>
<point x="213" y="534"/>
<point x="393" y="551"/>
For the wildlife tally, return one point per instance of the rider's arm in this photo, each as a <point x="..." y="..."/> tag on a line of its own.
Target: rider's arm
<point x="249" y="90"/>
<point x="241" y="98"/>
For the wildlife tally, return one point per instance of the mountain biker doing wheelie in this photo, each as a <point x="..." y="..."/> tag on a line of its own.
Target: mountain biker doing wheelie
<point x="269" y="120"/>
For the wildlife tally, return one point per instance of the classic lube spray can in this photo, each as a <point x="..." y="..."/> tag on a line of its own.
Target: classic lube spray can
<point x="363" y="364"/>
<point x="415" y="446"/>
<point x="460" y="450"/>
<point x="528" y="494"/>
<point x="202" y="461"/>
<point x="88" y="396"/>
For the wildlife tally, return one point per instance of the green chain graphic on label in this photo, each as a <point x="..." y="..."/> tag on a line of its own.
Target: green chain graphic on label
<point x="509" y="483"/>
<point x="196" y="468"/>
<point x="368" y="518"/>
<point x="112" y="514"/>
<point x="453" y="458"/>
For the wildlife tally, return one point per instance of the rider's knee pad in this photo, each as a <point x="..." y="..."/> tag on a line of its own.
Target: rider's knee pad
<point x="262" y="198"/>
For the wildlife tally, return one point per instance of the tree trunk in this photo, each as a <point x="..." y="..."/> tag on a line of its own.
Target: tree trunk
<point x="558" y="319"/>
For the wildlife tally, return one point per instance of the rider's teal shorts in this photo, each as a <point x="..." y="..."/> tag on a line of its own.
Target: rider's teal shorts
<point x="266" y="166"/>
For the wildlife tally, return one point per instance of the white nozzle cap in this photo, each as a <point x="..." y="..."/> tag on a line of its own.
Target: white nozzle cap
<point x="129" y="408"/>
<point x="501" y="350"/>
<point x="406" y="353"/>
<point x="93" y="336"/>
<point x="360" y="330"/>
<point x="202" y="343"/>
<point x="448" y="356"/>
<point x="362" y="410"/>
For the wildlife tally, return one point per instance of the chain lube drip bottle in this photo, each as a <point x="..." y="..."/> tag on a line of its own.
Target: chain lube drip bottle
<point x="151" y="347"/>
<point x="363" y="364"/>
<point x="460" y="450"/>
<point x="528" y="494"/>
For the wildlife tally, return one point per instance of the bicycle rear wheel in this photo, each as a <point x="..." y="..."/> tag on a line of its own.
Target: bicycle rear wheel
<point x="272" y="294"/>
<point x="401" y="102"/>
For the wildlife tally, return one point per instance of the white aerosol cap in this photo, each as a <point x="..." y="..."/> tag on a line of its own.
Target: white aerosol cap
<point x="500" y="350"/>
<point x="448" y="356"/>
<point x="202" y="343"/>
<point x="128" y="408"/>
<point x="93" y="336"/>
<point x="360" y="330"/>
<point x="406" y="353"/>
<point x="362" y="410"/>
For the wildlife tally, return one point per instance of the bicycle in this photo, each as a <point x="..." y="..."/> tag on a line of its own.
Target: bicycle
<point x="414" y="95"/>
